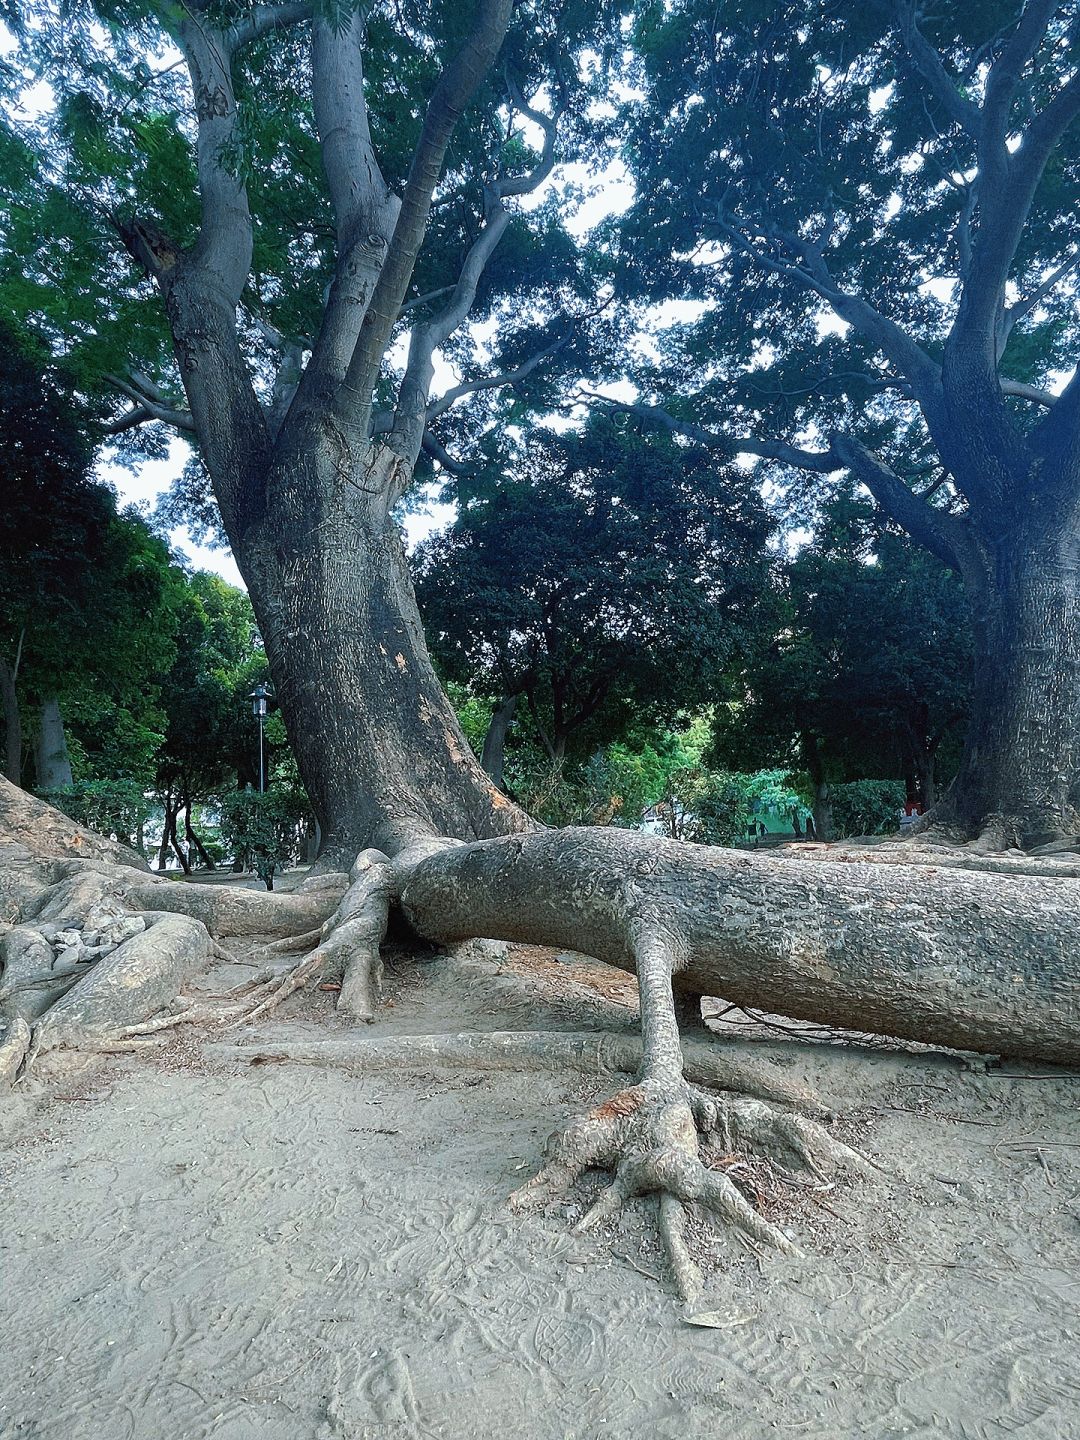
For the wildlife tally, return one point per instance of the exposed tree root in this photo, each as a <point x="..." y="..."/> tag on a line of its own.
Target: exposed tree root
<point x="14" y="1045"/>
<point x="936" y="855"/>
<point x="226" y="910"/>
<point x="928" y="951"/>
<point x="647" y="1136"/>
<point x="555" y="1051"/>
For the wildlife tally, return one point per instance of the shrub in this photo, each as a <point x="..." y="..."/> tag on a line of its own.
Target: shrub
<point x="265" y="832"/>
<point x="866" y="807"/>
<point x="115" y="808"/>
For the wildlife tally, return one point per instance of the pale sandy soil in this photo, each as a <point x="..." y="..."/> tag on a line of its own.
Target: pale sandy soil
<point x="194" y="1248"/>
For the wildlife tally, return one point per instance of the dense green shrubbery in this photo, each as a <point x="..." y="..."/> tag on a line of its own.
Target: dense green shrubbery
<point x="116" y="808"/>
<point x="866" y="807"/>
<point x="265" y="832"/>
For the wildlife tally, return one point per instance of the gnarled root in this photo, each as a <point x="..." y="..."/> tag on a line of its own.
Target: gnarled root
<point x="648" y="1136"/>
<point x="349" y="941"/>
<point x="14" y="1045"/>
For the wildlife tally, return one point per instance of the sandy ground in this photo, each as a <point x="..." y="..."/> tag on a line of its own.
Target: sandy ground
<point x="198" y="1248"/>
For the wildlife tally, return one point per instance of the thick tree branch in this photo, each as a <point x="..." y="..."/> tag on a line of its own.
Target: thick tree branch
<point x="149" y="404"/>
<point x="263" y="19"/>
<point x="1006" y="188"/>
<point x="943" y="535"/>
<point x="930" y="66"/>
<point x="1023" y="391"/>
<point x="435" y="450"/>
<point x="456" y="87"/>
<point x="365" y="211"/>
<point x="1005" y="74"/>
<point x="413" y="411"/>
<point x="202" y="288"/>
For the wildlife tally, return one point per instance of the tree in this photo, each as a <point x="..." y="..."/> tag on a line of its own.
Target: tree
<point x="306" y="472"/>
<point x="86" y="592"/>
<point x="877" y="212"/>
<point x="206" y="748"/>
<point x="866" y="672"/>
<point x="601" y="578"/>
<point x="309" y="438"/>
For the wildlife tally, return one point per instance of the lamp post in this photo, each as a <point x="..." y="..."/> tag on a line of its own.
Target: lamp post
<point x="258" y="698"/>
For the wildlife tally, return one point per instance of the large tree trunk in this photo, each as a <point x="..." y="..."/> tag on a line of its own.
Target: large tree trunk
<point x="53" y="763"/>
<point x="1019" y="778"/>
<point x="379" y="747"/>
<point x="972" y="961"/>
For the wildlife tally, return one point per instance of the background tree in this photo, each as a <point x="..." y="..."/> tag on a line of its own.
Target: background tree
<point x="867" y="673"/>
<point x="602" y="578"/>
<point x="87" y="594"/>
<point x="206" y="750"/>
<point x="877" y="211"/>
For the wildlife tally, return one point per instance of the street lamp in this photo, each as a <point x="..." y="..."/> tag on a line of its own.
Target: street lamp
<point x="258" y="698"/>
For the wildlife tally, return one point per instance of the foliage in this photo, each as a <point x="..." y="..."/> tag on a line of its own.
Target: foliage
<point x="88" y="594"/>
<point x="115" y="808"/>
<point x="604" y="577"/>
<point x="265" y="832"/>
<point x="868" y="668"/>
<point x="866" y="807"/>
<point x="757" y="128"/>
<point x="118" y="143"/>
<point x="717" y="807"/>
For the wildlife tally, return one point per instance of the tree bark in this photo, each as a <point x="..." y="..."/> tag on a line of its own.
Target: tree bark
<point x="1020" y="772"/>
<point x="966" y="960"/>
<point x="379" y="747"/>
<point x="493" y="755"/>
<point x="53" y="763"/>
<point x="12" y="724"/>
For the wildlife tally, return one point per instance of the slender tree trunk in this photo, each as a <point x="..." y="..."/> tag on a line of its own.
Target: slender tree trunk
<point x="1019" y="778"/>
<point x="12" y="724"/>
<point x="174" y="840"/>
<point x="811" y="751"/>
<point x="163" y="848"/>
<point x="53" y="761"/>
<point x="495" y="740"/>
<point x="379" y="747"/>
<point x="193" y="839"/>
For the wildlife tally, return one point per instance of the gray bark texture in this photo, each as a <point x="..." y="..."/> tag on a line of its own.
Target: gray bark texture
<point x="52" y="762"/>
<point x="971" y="961"/>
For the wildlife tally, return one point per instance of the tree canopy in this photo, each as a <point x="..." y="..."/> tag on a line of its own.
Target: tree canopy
<point x="603" y="578"/>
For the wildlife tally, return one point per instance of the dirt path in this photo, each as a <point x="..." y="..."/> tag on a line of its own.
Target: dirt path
<point x="192" y="1249"/>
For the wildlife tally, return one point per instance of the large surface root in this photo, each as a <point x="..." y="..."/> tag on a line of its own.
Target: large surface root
<point x="647" y="1136"/>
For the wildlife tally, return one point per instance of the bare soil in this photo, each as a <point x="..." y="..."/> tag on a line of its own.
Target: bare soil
<point x="200" y="1249"/>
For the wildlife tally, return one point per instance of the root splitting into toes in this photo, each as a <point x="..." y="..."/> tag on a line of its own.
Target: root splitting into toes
<point x="648" y="1137"/>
